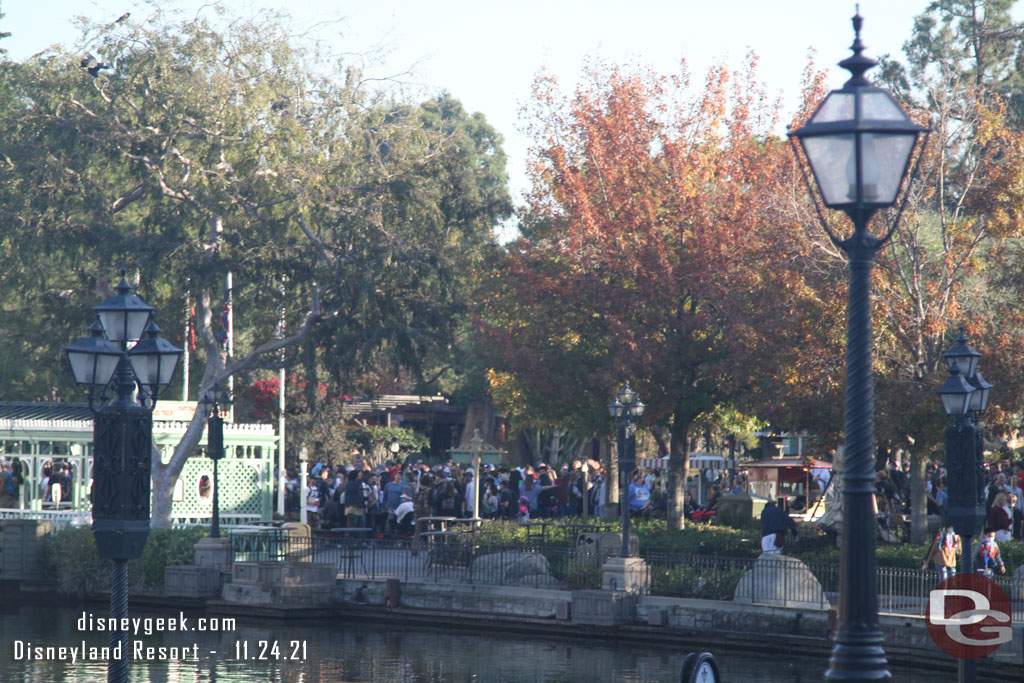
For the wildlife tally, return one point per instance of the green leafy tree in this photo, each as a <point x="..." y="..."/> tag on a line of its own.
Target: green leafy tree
<point x="189" y="151"/>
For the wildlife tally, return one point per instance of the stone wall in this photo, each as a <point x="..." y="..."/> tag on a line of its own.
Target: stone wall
<point x="506" y="600"/>
<point x="707" y="616"/>
<point x="20" y="543"/>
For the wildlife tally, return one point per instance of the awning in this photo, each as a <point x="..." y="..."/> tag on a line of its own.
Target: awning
<point x="702" y="461"/>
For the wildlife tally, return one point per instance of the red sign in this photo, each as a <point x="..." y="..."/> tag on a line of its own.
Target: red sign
<point x="969" y="616"/>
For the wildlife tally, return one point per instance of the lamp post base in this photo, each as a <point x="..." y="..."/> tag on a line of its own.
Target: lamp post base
<point x="627" y="574"/>
<point x="858" y="658"/>
<point x="215" y="553"/>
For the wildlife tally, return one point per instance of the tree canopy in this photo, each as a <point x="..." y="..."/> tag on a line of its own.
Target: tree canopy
<point x="350" y="219"/>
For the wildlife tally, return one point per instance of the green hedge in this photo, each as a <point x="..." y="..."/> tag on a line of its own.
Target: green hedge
<point x="70" y="558"/>
<point x="708" y="539"/>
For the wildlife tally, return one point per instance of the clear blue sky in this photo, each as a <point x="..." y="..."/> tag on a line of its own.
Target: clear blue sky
<point x="487" y="53"/>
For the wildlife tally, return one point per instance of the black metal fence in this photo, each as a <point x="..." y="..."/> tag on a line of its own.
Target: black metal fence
<point x="457" y="558"/>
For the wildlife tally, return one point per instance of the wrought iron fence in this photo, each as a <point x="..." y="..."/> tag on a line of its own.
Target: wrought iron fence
<point x="457" y="558"/>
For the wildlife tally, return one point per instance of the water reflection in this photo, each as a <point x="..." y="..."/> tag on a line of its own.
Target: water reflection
<point x="340" y="651"/>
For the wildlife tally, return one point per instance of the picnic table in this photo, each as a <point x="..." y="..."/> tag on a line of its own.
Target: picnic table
<point x="348" y="533"/>
<point x="532" y="527"/>
<point x="251" y="542"/>
<point x="444" y="548"/>
<point x="439" y="523"/>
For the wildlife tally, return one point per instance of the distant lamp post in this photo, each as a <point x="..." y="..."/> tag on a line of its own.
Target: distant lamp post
<point x="965" y="396"/>
<point x="858" y="143"/>
<point x="214" y="402"/>
<point x="123" y="366"/>
<point x="627" y="410"/>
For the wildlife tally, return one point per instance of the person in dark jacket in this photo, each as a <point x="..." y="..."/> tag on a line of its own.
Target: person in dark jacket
<point x="774" y="522"/>
<point x="355" y="501"/>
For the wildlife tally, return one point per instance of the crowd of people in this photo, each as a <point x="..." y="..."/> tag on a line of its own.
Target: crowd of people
<point x="388" y="498"/>
<point x="55" y="487"/>
<point x="1004" y="520"/>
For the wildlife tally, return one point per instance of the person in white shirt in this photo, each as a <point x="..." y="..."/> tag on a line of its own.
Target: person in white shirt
<point x="404" y="514"/>
<point x="312" y="502"/>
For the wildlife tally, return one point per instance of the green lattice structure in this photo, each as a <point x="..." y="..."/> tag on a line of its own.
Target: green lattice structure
<point x="38" y="434"/>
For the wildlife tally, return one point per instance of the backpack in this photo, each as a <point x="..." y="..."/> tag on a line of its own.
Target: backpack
<point x="448" y="503"/>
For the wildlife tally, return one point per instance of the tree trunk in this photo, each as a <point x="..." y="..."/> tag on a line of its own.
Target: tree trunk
<point x="479" y="415"/>
<point x="164" y="475"/>
<point x="918" y="500"/>
<point x="678" y="466"/>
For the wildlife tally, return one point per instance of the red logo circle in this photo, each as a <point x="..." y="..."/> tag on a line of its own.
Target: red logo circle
<point x="969" y="616"/>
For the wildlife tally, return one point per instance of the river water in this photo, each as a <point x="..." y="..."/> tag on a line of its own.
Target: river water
<point x="340" y="652"/>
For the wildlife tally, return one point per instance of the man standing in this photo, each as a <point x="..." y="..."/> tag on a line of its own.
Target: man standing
<point x="774" y="522"/>
<point x="355" y="500"/>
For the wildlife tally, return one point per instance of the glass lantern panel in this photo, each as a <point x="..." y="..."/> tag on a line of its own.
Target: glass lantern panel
<point x="955" y="403"/>
<point x="837" y="106"/>
<point x="168" y="364"/>
<point x="884" y="159"/>
<point x="830" y="157"/>
<point x="113" y="324"/>
<point x="94" y="369"/>
<point x="124" y="325"/>
<point x="982" y="402"/>
<point x="146" y="367"/>
<point x="880" y="106"/>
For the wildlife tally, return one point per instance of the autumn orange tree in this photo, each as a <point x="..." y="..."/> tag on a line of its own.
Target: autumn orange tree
<point x="651" y="206"/>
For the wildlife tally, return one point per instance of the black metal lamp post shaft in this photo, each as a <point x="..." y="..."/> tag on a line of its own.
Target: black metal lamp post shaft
<point x="627" y="461"/>
<point x="858" y="654"/>
<point x="216" y="447"/>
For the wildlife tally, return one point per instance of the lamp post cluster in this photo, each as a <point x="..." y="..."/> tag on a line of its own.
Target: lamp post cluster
<point x="627" y="409"/>
<point x="214" y="401"/>
<point x="123" y="366"/>
<point x="858" y="143"/>
<point x="965" y="396"/>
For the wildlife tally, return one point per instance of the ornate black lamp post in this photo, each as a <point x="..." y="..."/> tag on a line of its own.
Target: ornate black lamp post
<point x="214" y="401"/>
<point x="125" y="355"/>
<point x="858" y="143"/>
<point x="964" y="397"/>
<point x="627" y="409"/>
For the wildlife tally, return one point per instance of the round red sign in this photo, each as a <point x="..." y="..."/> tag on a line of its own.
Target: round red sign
<point x="969" y="616"/>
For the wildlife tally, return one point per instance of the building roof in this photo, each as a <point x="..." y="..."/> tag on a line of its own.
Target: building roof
<point x="43" y="410"/>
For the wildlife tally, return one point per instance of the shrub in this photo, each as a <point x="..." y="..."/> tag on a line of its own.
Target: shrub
<point x="70" y="558"/>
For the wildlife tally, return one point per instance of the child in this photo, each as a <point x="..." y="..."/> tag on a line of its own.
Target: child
<point x="944" y="552"/>
<point x="987" y="558"/>
<point x="523" y="515"/>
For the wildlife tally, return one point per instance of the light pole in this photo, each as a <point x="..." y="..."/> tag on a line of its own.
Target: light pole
<point x="858" y="143"/>
<point x="964" y="397"/>
<point x="627" y="409"/>
<point x="123" y="356"/>
<point x="214" y="401"/>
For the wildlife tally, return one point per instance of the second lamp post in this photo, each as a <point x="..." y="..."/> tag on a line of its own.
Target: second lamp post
<point x="965" y="397"/>
<point x="214" y="401"/>
<point x="627" y="409"/>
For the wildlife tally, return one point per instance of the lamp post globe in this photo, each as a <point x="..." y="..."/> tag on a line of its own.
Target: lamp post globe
<point x="858" y="144"/>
